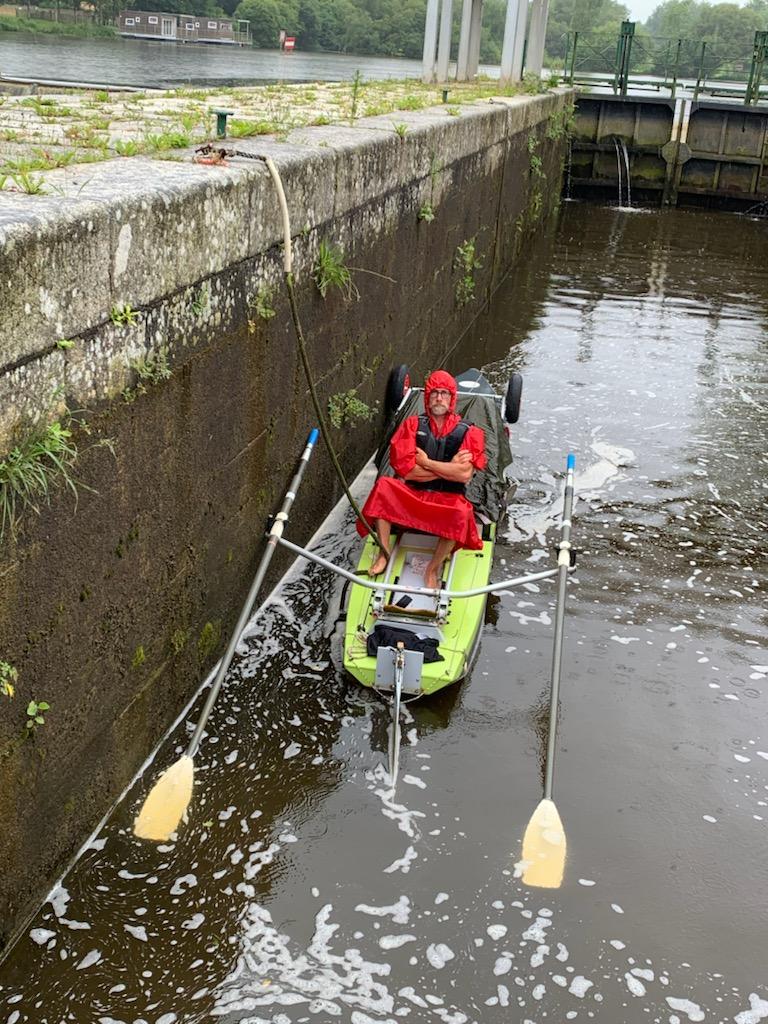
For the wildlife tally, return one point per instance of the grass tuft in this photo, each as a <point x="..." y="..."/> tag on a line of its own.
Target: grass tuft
<point x="330" y="271"/>
<point x="29" y="472"/>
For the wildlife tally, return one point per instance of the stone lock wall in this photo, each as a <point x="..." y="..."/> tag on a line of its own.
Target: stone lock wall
<point x="115" y="605"/>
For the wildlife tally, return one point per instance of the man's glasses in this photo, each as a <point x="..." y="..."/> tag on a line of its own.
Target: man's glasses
<point x="440" y="391"/>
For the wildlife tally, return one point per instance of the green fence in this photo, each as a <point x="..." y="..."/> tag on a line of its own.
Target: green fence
<point x="634" y="61"/>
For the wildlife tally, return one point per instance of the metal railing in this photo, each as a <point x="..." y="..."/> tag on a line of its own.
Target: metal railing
<point x="634" y="61"/>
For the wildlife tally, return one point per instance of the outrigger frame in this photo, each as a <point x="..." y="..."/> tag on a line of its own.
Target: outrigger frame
<point x="396" y="588"/>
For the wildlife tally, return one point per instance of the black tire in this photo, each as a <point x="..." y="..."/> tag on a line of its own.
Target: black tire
<point x="512" y="399"/>
<point x="398" y="383"/>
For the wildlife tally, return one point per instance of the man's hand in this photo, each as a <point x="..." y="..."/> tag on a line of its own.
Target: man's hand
<point x="421" y="458"/>
<point x="462" y="456"/>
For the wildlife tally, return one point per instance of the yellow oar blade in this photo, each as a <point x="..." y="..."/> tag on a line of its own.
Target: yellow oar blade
<point x="544" y="848"/>
<point x="167" y="801"/>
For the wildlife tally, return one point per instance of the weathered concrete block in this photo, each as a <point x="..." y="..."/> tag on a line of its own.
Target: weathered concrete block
<point x="55" y="256"/>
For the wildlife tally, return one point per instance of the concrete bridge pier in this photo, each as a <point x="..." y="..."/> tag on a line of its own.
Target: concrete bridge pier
<point x="444" y="46"/>
<point x="469" y="40"/>
<point x="536" y="35"/>
<point x="436" y="54"/>
<point x="430" y="42"/>
<point x="514" y="41"/>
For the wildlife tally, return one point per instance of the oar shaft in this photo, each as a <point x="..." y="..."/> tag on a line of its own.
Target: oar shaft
<point x="245" y="614"/>
<point x="563" y="562"/>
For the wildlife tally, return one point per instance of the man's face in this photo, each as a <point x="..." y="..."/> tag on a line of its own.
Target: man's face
<point x="439" y="402"/>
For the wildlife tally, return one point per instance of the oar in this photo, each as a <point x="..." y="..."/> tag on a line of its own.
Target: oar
<point x="170" y="796"/>
<point x="544" y="840"/>
<point x="394" y="745"/>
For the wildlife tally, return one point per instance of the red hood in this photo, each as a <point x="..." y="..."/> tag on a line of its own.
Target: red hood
<point x="440" y="379"/>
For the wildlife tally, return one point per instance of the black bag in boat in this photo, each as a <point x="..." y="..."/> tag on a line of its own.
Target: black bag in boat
<point x="390" y="636"/>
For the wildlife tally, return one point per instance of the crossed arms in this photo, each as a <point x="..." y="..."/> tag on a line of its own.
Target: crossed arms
<point x="458" y="470"/>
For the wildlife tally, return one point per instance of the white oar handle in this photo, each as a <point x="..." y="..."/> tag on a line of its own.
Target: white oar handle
<point x="563" y="562"/>
<point x="272" y="539"/>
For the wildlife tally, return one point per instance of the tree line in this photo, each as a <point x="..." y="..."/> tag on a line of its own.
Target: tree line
<point x="395" y="28"/>
<point x="730" y="27"/>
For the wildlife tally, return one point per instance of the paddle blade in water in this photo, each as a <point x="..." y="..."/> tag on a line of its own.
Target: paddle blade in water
<point x="544" y="848"/>
<point x="167" y="801"/>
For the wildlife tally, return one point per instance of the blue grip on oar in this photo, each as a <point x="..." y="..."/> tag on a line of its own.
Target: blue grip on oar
<point x="571" y="464"/>
<point x="314" y="434"/>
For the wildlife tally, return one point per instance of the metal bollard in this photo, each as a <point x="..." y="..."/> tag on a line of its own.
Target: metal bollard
<point x="221" y="122"/>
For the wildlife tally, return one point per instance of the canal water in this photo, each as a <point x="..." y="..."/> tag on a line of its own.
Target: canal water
<point x="303" y="889"/>
<point x="149" y="64"/>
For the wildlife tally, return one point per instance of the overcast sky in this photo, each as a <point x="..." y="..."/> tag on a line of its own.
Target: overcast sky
<point x="640" y="9"/>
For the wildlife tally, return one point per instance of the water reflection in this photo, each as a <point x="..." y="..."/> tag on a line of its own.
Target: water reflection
<point x="149" y="64"/>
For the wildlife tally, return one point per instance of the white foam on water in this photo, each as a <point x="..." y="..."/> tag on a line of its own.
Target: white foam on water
<point x="692" y="1010"/>
<point x="439" y="954"/>
<point x="758" y="1010"/>
<point x="537" y="959"/>
<point x="258" y="859"/>
<point x="331" y="984"/>
<point x="399" y="912"/>
<point x="89" y="960"/>
<point x="643" y="972"/>
<point x="503" y="965"/>
<point x="496" y="931"/>
<point x="580" y="986"/>
<point x="414" y="780"/>
<point x="291" y="750"/>
<point x="708" y="817"/>
<point x="635" y="986"/>
<point x="192" y="923"/>
<point x="41" y="935"/>
<point x="441" y="898"/>
<point x="137" y="931"/>
<point x="537" y="931"/>
<point x="402" y="863"/>
<point x="395" y="941"/>
<point x="183" y="883"/>
<point x="586" y="881"/>
<point x="59" y="898"/>
<point x="381" y="785"/>
<point x="616" y="908"/>
<point x="618" y="944"/>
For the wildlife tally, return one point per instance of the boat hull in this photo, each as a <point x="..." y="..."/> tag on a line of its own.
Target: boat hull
<point x="460" y="632"/>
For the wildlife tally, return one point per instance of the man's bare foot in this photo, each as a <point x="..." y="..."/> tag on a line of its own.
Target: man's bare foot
<point x="431" y="576"/>
<point x="378" y="567"/>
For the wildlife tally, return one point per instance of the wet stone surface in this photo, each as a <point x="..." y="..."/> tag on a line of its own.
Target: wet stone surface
<point x="303" y="889"/>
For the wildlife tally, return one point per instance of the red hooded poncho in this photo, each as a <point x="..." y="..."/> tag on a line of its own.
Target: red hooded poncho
<point x="438" y="512"/>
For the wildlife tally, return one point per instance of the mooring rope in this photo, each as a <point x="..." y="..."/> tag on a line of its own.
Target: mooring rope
<point x="219" y="153"/>
<point x="289" y="283"/>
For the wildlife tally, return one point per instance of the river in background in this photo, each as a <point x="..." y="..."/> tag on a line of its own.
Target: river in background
<point x="150" y="64"/>
<point x="303" y="890"/>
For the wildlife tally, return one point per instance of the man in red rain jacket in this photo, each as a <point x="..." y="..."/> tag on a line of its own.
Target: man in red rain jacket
<point x="434" y="457"/>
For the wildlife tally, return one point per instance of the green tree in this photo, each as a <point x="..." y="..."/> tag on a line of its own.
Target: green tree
<point x="730" y="27"/>
<point x="601" y="17"/>
<point x="268" y="18"/>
